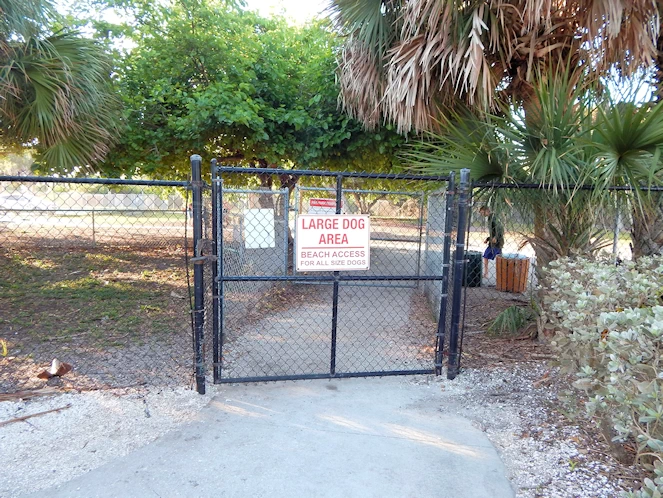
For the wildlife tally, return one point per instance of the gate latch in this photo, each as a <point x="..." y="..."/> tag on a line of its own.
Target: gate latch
<point x="203" y="246"/>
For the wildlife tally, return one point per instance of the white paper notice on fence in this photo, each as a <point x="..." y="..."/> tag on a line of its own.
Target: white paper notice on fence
<point x="259" y="228"/>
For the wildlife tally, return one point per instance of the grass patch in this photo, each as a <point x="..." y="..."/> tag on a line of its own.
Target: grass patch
<point x="91" y="289"/>
<point x="512" y="320"/>
<point x="90" y="298"/>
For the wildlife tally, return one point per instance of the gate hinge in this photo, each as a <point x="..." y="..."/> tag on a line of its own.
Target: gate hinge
<point x="203" y="246"/>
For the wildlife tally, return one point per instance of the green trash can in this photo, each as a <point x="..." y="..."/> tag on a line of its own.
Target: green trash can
<point x="472" y="272"/>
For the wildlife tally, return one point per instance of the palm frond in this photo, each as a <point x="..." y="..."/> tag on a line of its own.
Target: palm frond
<point x="361" y="84"/>
<point x="462" y="140"/>
<point x="23" y="17"/>
<point x="512" y="320"/>
<point x="629" y="139"/>
<point x="484" y="51"/>
<point x="372" y="21"/>
<point x="58" y="96"/>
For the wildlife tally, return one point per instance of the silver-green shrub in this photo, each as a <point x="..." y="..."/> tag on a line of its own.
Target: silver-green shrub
<point x="609" y="333"/>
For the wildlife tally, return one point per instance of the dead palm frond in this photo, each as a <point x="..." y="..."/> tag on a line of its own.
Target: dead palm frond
<point x="478" y="51"/>
<point x="362" y="86"/>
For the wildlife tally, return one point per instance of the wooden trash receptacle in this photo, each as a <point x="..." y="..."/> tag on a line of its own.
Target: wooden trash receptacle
<point x="512" y="272"/>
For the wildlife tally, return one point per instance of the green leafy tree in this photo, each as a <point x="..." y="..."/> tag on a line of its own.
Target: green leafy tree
<point x="57" y="96"/>
<point x="208" y="78"/>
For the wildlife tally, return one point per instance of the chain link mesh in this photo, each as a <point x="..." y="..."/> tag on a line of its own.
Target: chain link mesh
<point x="521" y="230"/>
<point x="283" y="328"/>
<point x="94" y="275"/>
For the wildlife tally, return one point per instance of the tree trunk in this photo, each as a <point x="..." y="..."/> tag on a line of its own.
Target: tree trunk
<point x="647" y="229"/>
<point x="542" y="253"/>
<point x="658" y="63"/>
<point x="289" y="182"/>
<point x="361" y="204"/>
<point x="265" y="201"/>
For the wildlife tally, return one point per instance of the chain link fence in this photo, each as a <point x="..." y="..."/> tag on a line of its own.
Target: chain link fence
<point x="514" y="231"/>
<point x="93" y="274"/>
<point x="59" y="214"/>
<point x="281" y="322"/>
<point x="96" y="274"/>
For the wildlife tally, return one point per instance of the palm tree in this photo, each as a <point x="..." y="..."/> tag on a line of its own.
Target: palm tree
<point x="574" y="137"/>
<point x="55" y="89"/>
<point x="405" y="61"/>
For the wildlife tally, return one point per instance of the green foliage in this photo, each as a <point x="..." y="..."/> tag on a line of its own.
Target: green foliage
<point x="564" y="137"/>
<point x="512" y="320"/>
<point x="629" y="142"/>
<point x="467" y="140"/>
<point x="56" y="89"/>
<point x="651" y="488"/>
<point x="608" y="323"/>
<point x="208" y="78"/>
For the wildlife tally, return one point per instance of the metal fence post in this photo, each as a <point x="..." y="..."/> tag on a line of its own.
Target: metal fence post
<point x="217" y="269"/>
<point x="446" y="258"/>
<point x="198" y="277"/>
<point x="616" y="229"/>
<point x="286" y="228"/>
<point x="459" y="265"/>
<point x="339" y="206"/>
<point x="421" y="234"/>
<point x="466" y="270"/>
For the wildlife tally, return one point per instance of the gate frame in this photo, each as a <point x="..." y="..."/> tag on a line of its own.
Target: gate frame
<point x="218" y="277"/>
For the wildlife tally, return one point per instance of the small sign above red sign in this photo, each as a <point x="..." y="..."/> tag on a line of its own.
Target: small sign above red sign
<point x="328" y="203"/>
<point x="322" y="206"/>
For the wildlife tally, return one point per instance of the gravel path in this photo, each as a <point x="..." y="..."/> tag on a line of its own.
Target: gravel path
<point x="544" y="454"/>
<point x="98" y="426"/>
<point x="547" y="455"/>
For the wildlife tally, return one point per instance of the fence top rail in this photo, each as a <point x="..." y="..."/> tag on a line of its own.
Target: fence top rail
<point x="254" y="191"/>
<point x="364" y="191"/>
<point x="343" y="174"/>
<point x="99" y="181"/>
<point x="539" y="186"/>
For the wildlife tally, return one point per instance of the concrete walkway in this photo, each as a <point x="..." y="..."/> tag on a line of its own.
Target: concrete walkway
<point x="362" y="438"/>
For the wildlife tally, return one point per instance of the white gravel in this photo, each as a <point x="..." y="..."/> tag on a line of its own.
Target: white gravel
<point x="543" y="452"/>
<point x="543" y="459"/>
<point x="47" y="450"/>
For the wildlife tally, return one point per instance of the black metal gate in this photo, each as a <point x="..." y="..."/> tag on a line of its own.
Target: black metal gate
<point x="272" y="322"/>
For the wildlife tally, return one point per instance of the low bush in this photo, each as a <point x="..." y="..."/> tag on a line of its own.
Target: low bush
<point x="608" y="323"/>
<point x="513" y="320"/>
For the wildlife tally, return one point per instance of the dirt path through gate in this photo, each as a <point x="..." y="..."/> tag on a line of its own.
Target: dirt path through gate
<point x="382" y="327"/>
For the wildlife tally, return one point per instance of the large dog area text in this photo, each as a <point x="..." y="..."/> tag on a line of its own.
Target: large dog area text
<point x="333" y="242"/>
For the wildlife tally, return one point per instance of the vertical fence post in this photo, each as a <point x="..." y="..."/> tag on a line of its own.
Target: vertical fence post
<point x="446" y="258"/>
<point x="198" y="277"/>
<point x="616" y="228"/>
<point x="459" y="265"/>
<point x="286" y="228"/>
<point x="332" y="365"/>
<point x="421" y="235"/>
<point x="217" y="270"/>
<point x="466" y="270"/>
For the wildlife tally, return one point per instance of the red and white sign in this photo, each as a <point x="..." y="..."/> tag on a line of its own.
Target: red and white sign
<point x="322" y="206"/>
<point x="333" y="242"/>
